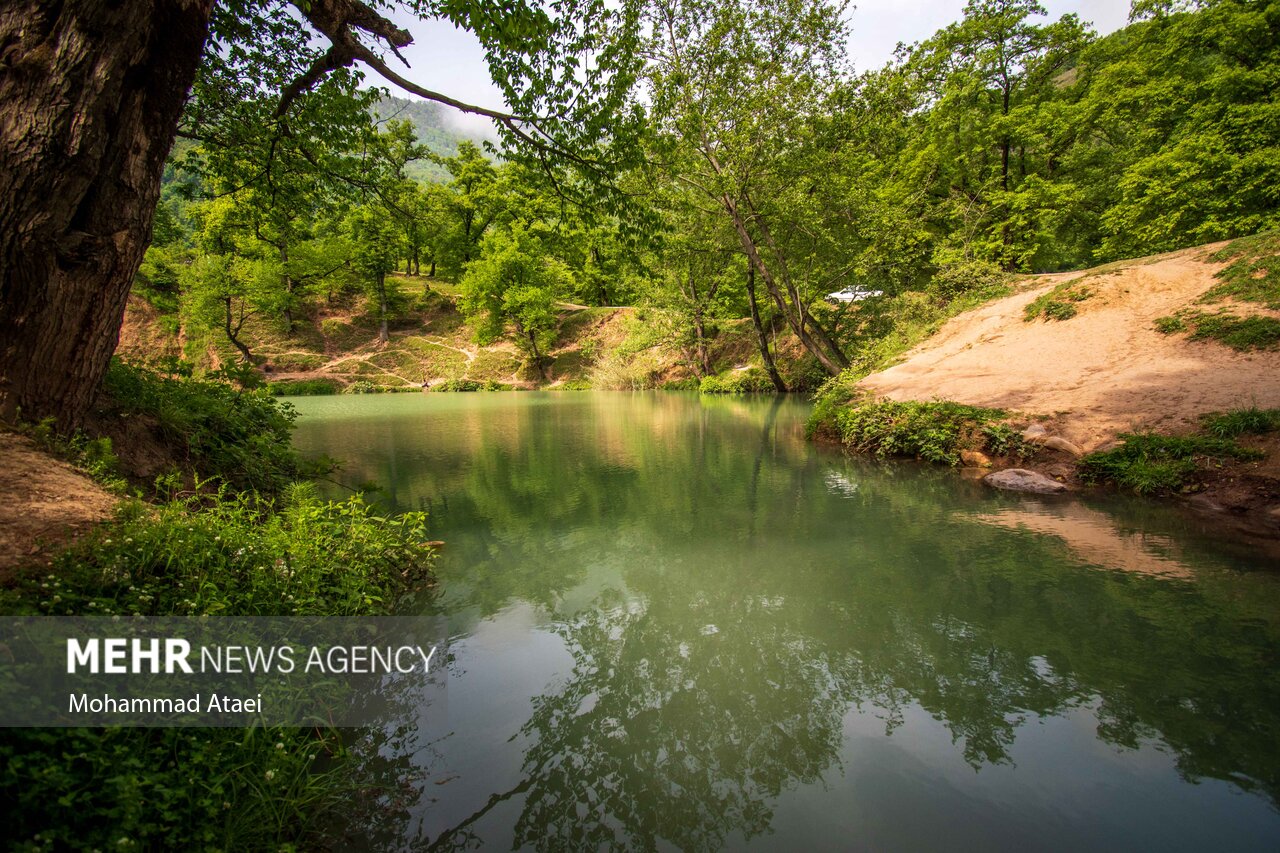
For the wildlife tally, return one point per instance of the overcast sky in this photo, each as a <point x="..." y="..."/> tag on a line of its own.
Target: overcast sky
<point x="450" y="61"/>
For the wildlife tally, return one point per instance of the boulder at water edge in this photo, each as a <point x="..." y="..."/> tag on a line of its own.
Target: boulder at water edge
<point x="1022" y="480"/>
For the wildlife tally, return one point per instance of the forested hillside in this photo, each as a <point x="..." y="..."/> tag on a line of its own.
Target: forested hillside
<point x="433" y="129"/>
<point x="1006" y="143"/>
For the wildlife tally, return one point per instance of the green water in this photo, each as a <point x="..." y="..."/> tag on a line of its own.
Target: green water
<point x="674" y="624"/>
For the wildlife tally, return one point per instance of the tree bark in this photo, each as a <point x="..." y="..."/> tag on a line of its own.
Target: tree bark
<point x="233" y="333"/>
<point x="537" y="355"/>
<point x="766" y="354"/>
<point x="383" y="336"/>
<point x="90" y="96"/>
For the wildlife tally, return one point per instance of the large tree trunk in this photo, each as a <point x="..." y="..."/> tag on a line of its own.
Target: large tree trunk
<point x="90" y="96"/>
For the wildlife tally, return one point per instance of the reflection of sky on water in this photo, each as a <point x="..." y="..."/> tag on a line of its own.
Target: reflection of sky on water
<point x="676" y="623"/>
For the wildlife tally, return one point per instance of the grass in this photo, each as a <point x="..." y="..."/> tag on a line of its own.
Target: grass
<point x="1156" y="464"/>
<point x="1243" y="334"/>
<point x="1238" y="422"/>
<point x="1253" y="275"/>
<point x="1058" y="303"/>
<point x="304" y="387"/>
<point x="935" y="431"/>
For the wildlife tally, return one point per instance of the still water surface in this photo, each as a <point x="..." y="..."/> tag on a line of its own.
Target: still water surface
<point x="675" y="624"/>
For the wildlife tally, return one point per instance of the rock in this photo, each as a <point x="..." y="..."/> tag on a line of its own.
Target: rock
<point x="973" y="473"/>
<point x="1034" y="432"/>
<point x="975" y="459"/>
<point x="1022" y="480"/>
<point x="1204" y="503"/>
<point x="1057" y="442"/>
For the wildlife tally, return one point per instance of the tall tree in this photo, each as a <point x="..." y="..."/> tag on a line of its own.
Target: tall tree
<point x="91" y="98"/>
<point x="736" y="85"/>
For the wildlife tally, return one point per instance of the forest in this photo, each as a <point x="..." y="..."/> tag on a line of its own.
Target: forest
<point x="737" y="168"/>
<point x="261" y="179"/>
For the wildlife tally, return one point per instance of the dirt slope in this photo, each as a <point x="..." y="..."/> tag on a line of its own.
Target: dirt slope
<point x="1101" y="372"/>
<point x="47" y="503"/>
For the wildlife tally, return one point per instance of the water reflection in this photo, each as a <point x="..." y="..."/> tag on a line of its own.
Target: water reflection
<point x="675" y="623"/>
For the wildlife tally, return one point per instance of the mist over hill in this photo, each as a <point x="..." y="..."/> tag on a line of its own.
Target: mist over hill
<point x="437" y="128"/>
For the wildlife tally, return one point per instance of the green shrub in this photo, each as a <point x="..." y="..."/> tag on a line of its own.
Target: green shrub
<point x="689" y="383"/>
<point x="750" y="381"/>
<point x="1059" y="303"/>
<point x="1237" y="422"/>
<point x="236" y="554"/>
<point x="241" y="437"/>
<point x="966" y="277"/>
<point x="364" y="386"/>
<point x="935" y="431"/>
<point x="304" y="387"/>
<point x="573" y="385"/>
<point x="1151" y="464"/>
<point x="624" y="371"/>
<point x="450" y="385"/>
<point x="225" y="789"/>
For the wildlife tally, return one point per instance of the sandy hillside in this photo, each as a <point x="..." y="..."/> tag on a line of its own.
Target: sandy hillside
<point x="1101" y="372"/>
<point x="47" y="504"/>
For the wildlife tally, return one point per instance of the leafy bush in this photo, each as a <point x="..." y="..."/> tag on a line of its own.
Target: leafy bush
<point x="257" y="788"/>
<point x="964" y="277"/>
<point x="573" y="385"/>
<point x="1237" y="422"/>
<point x="304" y="387"/>
<point x="750" y="381"/>
<point x="935" y="431"/>
<point x="689" y="383"/>
<point x="242" y="437"/>
<point x="364" y="386"/>
<point x="1059" y="303"/>
<point x="621" y="371"/>
<point x="233" y="553"/>
<point x="1150" y="464"/>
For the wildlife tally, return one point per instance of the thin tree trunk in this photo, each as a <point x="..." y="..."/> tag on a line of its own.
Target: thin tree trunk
<point x="90" y="96"/>
<point x="537" y="356"/>
<point x="383" y="335"/>
<point x="289" y="286"/>
<point x="766" y="354"/>
<point x="233" y="334"/>
<point x="700" y="343"/>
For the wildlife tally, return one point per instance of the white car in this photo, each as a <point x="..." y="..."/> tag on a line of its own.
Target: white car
<point x="853" y="294"/>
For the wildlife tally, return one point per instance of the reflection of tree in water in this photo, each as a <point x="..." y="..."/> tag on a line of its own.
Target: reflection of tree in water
<point x="762" y="603"/>
<point x="684" y="737"/>
<point x="669" y="727"/>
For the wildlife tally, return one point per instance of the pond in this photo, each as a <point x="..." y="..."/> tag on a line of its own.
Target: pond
<point x="674" y="624"/>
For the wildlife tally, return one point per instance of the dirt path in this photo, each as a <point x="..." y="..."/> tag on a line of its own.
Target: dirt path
<point x="45" y="504"/>
<point x="1102" y="372"/>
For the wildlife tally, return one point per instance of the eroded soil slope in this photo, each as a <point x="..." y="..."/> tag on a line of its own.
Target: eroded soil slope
<point x="1104" y="371"/>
